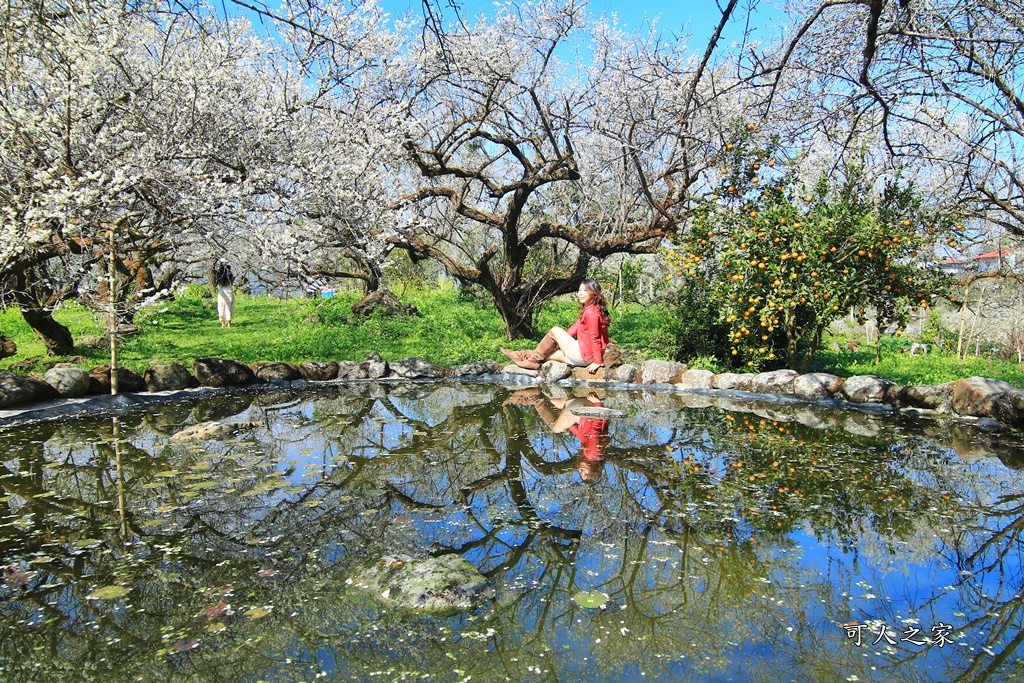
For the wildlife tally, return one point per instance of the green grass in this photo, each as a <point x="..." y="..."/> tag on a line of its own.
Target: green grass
<point x="449" y="330"/>
<point x="905" y="369"/>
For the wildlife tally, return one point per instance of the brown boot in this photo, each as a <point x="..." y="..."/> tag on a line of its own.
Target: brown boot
<point x="521" y="358"/>
<point x="547" y="346"/>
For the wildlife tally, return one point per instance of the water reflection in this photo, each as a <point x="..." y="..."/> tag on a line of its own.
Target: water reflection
<point x="733" y="540"/>
<point x="563" y="413"/>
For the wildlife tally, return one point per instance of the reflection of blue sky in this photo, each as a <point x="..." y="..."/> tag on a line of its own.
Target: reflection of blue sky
<point x="795" y="589"/>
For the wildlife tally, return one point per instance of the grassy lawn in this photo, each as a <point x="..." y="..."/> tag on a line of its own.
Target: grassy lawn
<point x="905" y="369"/>
<point x="450" y="329"/>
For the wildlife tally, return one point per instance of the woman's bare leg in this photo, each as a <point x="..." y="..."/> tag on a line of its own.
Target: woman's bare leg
<point x="567" y="346"/>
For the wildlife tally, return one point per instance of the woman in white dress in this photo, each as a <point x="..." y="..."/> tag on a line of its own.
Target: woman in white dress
<point x="224" y="280"/>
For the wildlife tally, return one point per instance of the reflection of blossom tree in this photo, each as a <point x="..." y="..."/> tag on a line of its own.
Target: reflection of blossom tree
<point x="683" y="540"/>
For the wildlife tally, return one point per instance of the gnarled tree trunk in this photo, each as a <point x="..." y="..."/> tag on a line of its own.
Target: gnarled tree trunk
<point x="37" y="311"/>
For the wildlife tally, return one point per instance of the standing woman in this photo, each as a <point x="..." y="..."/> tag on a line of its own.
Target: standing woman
<point x="224" y="280"/>
<point x="581" y="345"/>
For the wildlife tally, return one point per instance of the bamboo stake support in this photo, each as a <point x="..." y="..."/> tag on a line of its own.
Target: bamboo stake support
<point x="113" y="318"/>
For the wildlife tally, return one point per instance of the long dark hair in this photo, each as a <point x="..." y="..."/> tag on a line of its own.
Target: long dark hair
<point x="221" y="274"/>
<point x="597" y="298"/>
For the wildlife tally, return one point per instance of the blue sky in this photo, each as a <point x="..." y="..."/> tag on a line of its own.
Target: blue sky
<point x="673" y="18"/>
<point x="697" y="19"/>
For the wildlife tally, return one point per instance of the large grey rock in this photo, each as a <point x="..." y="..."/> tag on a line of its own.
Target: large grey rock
<point x="625" y="373"/>
<point x="553" y="371"/>
<point x="483" y="367"/>
<point x="168" y="377"/>
<point x="774" y="382"/>
<point x="732" y="381"/>
<point x="349" y="369"/>
<point x="695" y="379"/>
<point x="691" y="400"/>
<point x="438" y="585"/>
<point x="938" y="397"/>
<point x="128" y="381"/>
<point x="815" y="420"/>
<point x="866" y="389"/>
<point x="218" y="372"/>
<point x="18" y="390"/>
<point x="861" y="425"/>
<point x="69" y="382"/>
<point x="416" y="368"/>
<point x="815" y="386"/>
<point x="661" y="372"/>
<point x="318" y="372"/>
<point x="212" y="431"/>
<point x="375" y="368"/>
<point x="92" y="341"/>
<point x="383" y="300"/>
<point x="600" y="413"/>
<point x="973" y="396"/>
<point x="268" y="371"/>
<point x="1008" y="408"/>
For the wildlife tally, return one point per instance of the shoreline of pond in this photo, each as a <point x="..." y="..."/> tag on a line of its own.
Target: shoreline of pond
<point x="784" y="406"/>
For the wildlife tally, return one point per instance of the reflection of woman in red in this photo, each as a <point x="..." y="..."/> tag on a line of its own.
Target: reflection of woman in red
<point x="591" y="431"/>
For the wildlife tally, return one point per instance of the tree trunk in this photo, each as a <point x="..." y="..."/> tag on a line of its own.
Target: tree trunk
<point x="974" y="325"/>
<point x="792" y="336"/>
<point x="878" y="344"/>
<point x="56" y="337"/>
<point x="963" y="322"/>
<point x="372" y="282"/>
<point x="518" y="319"/>
<point x="813" y="349"/>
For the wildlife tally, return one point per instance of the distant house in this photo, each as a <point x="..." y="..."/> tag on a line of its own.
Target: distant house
<point x="983" y="263"/>
<point x="953" y="266"/>
<point x="993" y="260"/>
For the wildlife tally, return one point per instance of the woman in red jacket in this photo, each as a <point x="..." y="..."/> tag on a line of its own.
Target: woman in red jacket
<point x="583" y="344"/>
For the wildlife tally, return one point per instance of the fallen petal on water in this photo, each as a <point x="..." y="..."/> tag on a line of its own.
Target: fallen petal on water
<point x="185" y="645"/>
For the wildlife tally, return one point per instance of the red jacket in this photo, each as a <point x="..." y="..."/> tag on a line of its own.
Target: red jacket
<point x="592" y="334"/>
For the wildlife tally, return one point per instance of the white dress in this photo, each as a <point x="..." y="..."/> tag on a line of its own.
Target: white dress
<point x="226" y="303"/>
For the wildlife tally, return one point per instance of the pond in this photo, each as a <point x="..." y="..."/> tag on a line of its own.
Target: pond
<point x="647" y="537"/>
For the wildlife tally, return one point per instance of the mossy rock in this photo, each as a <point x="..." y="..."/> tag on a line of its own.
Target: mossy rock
<point x="438" y="585"/>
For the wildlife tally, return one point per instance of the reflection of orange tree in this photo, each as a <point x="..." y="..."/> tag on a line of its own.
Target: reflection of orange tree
<point x="777" y="475"/>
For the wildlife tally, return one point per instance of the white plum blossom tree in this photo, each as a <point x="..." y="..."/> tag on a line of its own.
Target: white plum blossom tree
<point x="537" y="142"/>
<point x="124" y="120"/>
<point x="934" y="84"/>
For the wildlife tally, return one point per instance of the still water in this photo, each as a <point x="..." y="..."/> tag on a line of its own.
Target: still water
<point x="727" y="540"/>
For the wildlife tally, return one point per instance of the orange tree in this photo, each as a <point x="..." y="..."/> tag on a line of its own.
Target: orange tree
<point x="782" y="263"/>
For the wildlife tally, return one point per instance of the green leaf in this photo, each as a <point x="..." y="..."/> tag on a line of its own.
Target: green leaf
<point x="591" y="599"/>
<point x="257" y="612"/>
<point x="108" y="593"/>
